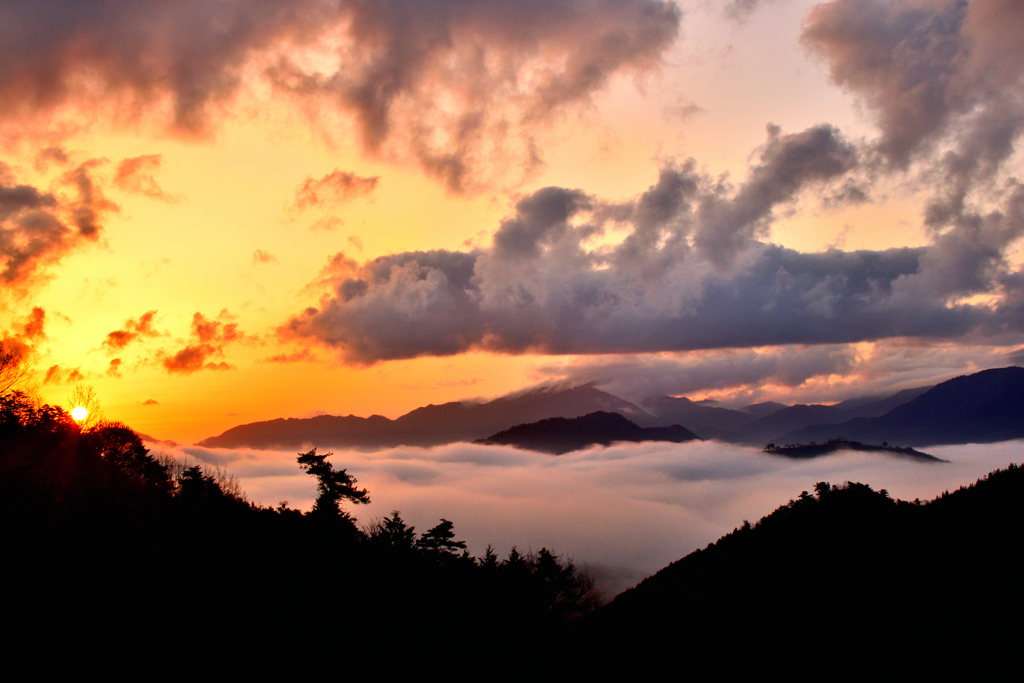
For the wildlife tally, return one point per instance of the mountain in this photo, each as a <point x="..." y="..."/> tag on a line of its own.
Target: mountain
<point x="698" y="418"/>
<point x="430" y="425"/>
<point x="560" y="435"/>
<point x="843" y="569"/>
<point x="985" y="407"/>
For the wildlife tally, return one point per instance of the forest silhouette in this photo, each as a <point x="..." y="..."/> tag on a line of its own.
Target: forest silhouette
<point x="112" y="550"/>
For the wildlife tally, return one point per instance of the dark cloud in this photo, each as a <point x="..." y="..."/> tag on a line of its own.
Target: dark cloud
<point x="131" y="330"/>
<point x="496" y="67"/>
<point x="741" y="10"/>
<point x="137" y="175"/>
<point x="336" y="186"/>
<point x="209" y="338"/>
<point x="929" y="70"/>
<point x="548" y="284"/>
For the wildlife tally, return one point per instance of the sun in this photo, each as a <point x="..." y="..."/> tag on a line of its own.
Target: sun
<point x="79" y="413"/>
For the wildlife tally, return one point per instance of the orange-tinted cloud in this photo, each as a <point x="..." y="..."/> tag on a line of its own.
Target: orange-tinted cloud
<point x="114" y="369"/>
<point x="259" y="256"/>
<point x="137" y="175"/>
<point x="57" y="374"/>
<point x="337" y="186"/>
<point x="33" y="328"/>
<point x="131" y="330"/>
<point x="499" y="68"/>
<point x="209" y="337"/>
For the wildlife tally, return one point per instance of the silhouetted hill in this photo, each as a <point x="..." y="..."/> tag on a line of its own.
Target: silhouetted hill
<point x="560" y="435"/>
<point x="815" y="450"/>
<point x="430" y="425"/>
<point x="843" y="570"/>
<point x="981" y="408"/>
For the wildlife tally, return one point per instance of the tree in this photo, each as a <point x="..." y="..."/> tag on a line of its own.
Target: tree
<point x="441" y="538"/>
<point x="393" y="532"/>
<point x="12" y="364"/>
<point x="333" y="486"/>
<point x="84" y="396"/>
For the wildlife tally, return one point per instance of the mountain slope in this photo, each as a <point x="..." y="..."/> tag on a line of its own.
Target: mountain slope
<point x="430" y="425"/>
<point x="985" y="407"/>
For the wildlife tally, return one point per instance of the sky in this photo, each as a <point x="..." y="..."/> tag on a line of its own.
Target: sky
<point x="217" y="212"/>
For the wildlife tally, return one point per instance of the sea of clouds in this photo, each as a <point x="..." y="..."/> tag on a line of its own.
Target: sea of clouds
<point x="623" y="512"/>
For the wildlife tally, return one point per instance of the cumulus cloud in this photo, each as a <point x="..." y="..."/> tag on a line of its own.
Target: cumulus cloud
<point x="209" y="337"/>
<point x="689" y="274"/>
<point x="444" y="77"/>
<point x="335" y="187"/>
<point x="631" y="507"/>
<point x="132" y="330"/>
<point x="928" y="70"/>
<point x="137" y="175"/>
<point x="114" y="369"/>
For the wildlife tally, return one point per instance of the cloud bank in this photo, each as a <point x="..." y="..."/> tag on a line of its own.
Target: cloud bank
<point x="630" y="509"/>
<point x="691" y="273"/>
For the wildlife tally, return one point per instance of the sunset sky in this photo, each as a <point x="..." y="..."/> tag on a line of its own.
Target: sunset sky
<point x="222" y="211"/>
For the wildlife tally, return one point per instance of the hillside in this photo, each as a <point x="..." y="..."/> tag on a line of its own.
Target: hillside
<point x="845" y="569"/>
<point x="559" y="435"/>
<point x="981" y="408"/>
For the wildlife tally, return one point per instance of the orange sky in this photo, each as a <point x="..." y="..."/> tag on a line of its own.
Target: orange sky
<point x="212" y="224"/>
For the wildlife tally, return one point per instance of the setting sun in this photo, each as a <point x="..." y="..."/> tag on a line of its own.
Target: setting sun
<point x="79" y="413"/>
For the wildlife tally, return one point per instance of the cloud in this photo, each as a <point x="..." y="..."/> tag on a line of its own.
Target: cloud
<point x="137" y="174"/>
<point x="130" y="331"/>
<point x="928" y="69"/>
<point x="297" y="357"/>
<point x="259" y="256"/>
<point x="150" y="402"/>
<point x="33" y="328"/>
<point x="690" y="274"/>
<point x="439" y="80"/>
<point x="209" y="337"/>
<point x="741" y="10"/>
<point x="335" y="187"/>
<point x="114" y="369"/>
<point x="57" y="374"/>
<point x="633" y="507"/>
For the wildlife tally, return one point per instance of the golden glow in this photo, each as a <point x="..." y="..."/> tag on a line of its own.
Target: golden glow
<point x="79" y="413"/>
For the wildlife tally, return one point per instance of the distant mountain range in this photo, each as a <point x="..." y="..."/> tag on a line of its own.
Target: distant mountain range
<point x="559" y="435"/>
<point x="984" y="407"/>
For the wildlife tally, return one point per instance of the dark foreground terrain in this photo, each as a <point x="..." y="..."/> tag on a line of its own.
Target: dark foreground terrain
<point x="121" y="564"/>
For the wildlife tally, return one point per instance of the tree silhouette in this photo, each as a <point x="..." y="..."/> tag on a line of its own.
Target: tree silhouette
<point x="441" y="538"/>
<point x="332" y="486"/>
<point x="12" y="367"/>
<point x="394" y="532"/>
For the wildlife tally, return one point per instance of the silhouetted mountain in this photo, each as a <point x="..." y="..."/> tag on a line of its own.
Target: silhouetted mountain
<point x="702" y="420"/>
<point x="430" y="425"/>
<point x="560" y="435"/>
<point x="815" y="450"/>
<point x="759" y="410"/>
<point x="873" y="406"/>
<point x="788" y="419"/>
<point x="985" y="407"/>
<point x="843" y="570"/>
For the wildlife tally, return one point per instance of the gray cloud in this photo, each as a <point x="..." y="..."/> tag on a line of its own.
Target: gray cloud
<point x="690" y="273"/>
<point x="38" y="229"/>
<point x="500" y="66"/>
<point x="928" y="70"/>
